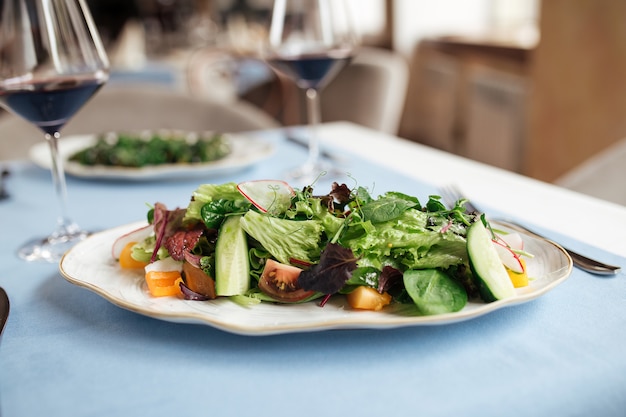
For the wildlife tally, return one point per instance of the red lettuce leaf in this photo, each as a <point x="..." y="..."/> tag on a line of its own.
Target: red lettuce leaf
<point x="337" y="198"/>
<point x="331" y="273"/>
<point x="165" y="222"/>
<point x="341" y="193"/>
<point x="389" y="278"/>
<point x="183" y="241"/>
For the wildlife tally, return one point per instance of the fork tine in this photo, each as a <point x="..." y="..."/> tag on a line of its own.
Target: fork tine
<point x="451" y="194"/>
<point x="448" y="196"/>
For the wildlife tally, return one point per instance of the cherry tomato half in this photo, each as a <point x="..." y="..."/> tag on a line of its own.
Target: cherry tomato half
<point x="280" y="282"/>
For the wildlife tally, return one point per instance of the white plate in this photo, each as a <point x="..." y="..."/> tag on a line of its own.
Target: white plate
<point x="89" y="264"/>
<point x="246" y="152"/>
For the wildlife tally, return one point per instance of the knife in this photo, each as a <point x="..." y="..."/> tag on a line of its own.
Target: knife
<point x="4" y="309"/>
<point x="323" y="153"/>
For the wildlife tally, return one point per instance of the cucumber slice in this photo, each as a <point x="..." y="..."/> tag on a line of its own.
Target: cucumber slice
<point x="489" y="273"/>
<point x="232" y="268"/>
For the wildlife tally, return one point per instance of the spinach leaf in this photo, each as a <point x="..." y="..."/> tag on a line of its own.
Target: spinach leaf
<point x="434" y="292"/>
<point x="435" y="205"/>
<point x="214" y="212"/>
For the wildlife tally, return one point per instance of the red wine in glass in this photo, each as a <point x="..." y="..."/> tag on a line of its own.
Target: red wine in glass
<point x="50" y="104"/>
<point x="311" y="70"/>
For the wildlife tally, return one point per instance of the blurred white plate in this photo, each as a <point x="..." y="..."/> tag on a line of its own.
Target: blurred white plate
<point x="245" y="153"/>
<point x="90" y="264"/>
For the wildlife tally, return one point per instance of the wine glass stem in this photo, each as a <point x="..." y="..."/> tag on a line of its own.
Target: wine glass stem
<point x="314" y="117"/>
<point x="58" y="179"/>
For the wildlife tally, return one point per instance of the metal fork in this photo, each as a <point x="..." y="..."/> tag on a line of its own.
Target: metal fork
<point x="451" y="195"/>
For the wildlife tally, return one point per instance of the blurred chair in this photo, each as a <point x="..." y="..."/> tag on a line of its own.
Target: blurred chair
<point x="601" y="176"/>
<point x="431" y="109"/>
<point x="494" y="117"/>
<point x="371" y="91"/>
<point x="117" y="108"/>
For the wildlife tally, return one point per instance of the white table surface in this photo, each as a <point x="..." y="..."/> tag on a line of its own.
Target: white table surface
<point x="67" y="351"/>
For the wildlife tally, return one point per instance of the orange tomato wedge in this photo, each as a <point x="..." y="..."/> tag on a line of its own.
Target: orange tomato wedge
<point x="127" y="261"/>
<point x="367" y="298"/>
<point x="163" y="284"/>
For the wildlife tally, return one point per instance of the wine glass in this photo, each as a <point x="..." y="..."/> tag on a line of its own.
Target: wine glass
<point x="310" y="41"/>
<point x="51" y="62"/>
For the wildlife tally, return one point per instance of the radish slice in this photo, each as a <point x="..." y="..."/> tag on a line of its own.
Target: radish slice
<point x="513" y="239"/>
<point x="269" y="196"/>
<point x="136" y="235"/>
<point x="509" y="258"/>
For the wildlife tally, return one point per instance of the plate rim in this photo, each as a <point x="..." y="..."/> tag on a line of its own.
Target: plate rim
<point x="358" y="320"/>
<point x="229" y="164"/>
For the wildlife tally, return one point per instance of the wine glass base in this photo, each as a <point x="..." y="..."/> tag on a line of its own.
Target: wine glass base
<point x="53" y="247"/>
<point x="310" y="173"/>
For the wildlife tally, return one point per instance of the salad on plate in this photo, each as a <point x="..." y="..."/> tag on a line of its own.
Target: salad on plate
<point x="262" y="241"/>
<point x="153" y="148"/>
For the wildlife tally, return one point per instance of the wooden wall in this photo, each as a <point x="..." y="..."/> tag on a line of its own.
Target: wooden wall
<point x="577" y="104"/>
<point x="573" y="83"/>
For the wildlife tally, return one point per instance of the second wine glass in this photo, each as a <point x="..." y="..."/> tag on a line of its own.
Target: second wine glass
<point x="310" y="41"/>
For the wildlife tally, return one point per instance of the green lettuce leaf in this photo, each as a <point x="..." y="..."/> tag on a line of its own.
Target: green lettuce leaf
<point x="405" y="243"/>
<point x="285" y="239"/>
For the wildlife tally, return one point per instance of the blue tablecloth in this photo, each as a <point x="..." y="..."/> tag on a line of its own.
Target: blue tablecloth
<point x="68" y="352"/>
